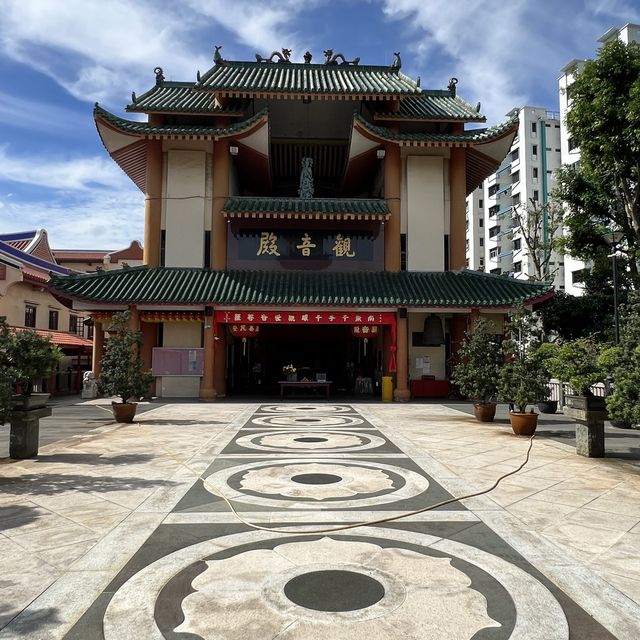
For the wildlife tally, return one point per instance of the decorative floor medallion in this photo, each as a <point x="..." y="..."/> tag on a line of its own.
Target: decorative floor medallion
<point x="319" y="441"/>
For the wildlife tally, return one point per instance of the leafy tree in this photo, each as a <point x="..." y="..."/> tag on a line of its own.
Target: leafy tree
<point x="577" y="362"/>
<point x="122" y="371"/>
<point x="32" y="358"/>
<point x="624" y="402"/>
<point x="602" y="191"/>
<point x="6" y="371"/>
<point x="540" y="225"/>
<point x="480" y="361"/>
<point x="522" y="380"/>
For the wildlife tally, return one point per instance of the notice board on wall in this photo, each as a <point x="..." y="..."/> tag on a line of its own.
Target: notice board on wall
<point x="177" y="361"/>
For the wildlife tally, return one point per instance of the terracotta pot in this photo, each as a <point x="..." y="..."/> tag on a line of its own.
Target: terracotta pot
<point x="523" y="424"/>
<point x="124" y="412"/>
<point x="484" y="411"/>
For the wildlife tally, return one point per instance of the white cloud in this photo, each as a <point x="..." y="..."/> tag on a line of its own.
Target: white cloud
<point x="82" y="173"/>
<point x="88" y="221"/>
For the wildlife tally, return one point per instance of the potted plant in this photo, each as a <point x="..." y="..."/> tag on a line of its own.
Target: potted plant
<point x="32" y="358"/>
<point x="542" y="354"/>
<point x="290" y="372"/>
<point x="576" y="362"/>
<point x="6" y="372"/>
<point x="478" y="369"/>
<point x="623" y="365"/>
<point x="522" y="381"/>
<point x="122" y="372"/>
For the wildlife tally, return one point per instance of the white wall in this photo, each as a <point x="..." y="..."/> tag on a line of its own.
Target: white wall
<point x="426" y="223"/>
<point x="185" y="209"/>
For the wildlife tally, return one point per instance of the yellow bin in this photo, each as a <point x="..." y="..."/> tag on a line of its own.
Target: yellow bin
<point x="387" y="389"/>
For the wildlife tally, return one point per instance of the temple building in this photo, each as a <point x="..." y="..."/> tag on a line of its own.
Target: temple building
<point x="304" y="214"/>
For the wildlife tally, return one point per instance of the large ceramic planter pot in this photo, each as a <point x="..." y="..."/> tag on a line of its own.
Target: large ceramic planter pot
<point x="124" y="411"/>
<point x="586" y="403"/>
<point x="523" y="424"/>
<point x="548" y="406"/>
<point x="484" y="411"/>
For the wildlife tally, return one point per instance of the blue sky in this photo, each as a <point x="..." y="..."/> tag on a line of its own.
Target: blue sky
<point x="58" y="57"/>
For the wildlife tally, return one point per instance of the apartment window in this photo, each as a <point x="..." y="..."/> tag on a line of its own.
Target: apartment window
<point x="572" y="144"/>
<point x="536" y="195"/>
<point x="496" y="272"/>
<point x="480" y="204"/>
<point x="481" y="222"/>
<point x="557" y="150"/>
<point x="493" y="210"/>
<point x="515" y="199"/>
<point x="515" y="154"/>
<point x="492" y="189"/>
<point x="482" y="242"/>
<point x="517" y="243"/>
<point x="534" y="173"/>
<point x="493" y="253"/>
<point x="482" y="263"/>
<point x="53" y="320"/>
<point x="467" y="263"/>
<point x="534" y="127"/>
<point x="73" y="324"/>
<point x="534" y="150"/>
<point x="515" y="176"/>
<point x="467" y="244"/>
<point x="29" y="315"/>
<point x="494" y="231"/>
<point x="517" y="267"/>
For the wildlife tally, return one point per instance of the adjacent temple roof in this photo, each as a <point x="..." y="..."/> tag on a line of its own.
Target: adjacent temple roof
<point x="195" y="286"/>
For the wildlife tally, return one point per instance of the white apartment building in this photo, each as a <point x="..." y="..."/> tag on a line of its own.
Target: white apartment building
<point x="494" y="241"/>
<point x="570" y="153"/>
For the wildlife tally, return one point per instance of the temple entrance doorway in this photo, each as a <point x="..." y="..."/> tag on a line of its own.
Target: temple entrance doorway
<point x="255" y="365"/>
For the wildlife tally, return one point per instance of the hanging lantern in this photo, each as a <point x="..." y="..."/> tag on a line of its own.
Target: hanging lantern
<point x="433" y="334"/>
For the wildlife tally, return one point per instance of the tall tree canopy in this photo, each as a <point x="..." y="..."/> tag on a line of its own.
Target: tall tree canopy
<point x="602" y="191"/>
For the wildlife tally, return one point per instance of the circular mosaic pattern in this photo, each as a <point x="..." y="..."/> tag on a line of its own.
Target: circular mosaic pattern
<point x="361" y="484"/>
<point x="334" y="441"/>
<point x="334" y="590"/>
<point x="413" y="586"/>
<point x="307" y="421"/>
<point x="306" y="408"/>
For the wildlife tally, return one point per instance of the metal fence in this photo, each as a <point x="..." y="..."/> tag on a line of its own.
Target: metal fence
<point x="560" y="389"/>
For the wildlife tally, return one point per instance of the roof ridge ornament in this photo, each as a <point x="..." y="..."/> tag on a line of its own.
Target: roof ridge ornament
<point x="283" y="58"/>
<point x="159" y="75"/>
<point x="397" y="61"/>
<point x="452" y="86"/>
<point x="333" y="59"/>
<point x="217" y="56"/>
<point x="307" y="57"/>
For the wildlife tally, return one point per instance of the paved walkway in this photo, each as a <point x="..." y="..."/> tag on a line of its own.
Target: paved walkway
<point x="110" y="533"/>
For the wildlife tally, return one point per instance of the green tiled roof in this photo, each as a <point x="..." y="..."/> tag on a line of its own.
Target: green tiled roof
<point x="471" y="136"/>
<point x="143" y="128"/>
<point x="179" y="97"/>
<point x="178" y="285"/>
<point x="259" y="78"/>
<point x="433" y="105"/>
<point x="354" y="206"/>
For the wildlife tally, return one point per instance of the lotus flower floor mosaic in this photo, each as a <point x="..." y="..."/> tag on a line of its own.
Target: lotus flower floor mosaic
<point x="182" y="565"/>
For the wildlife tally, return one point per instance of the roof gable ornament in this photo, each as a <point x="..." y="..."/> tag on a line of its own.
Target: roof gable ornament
<point x="306" y="179"/>
<point x="397" y="61"/>
<point x="333" y="59"/>
<point x="217" y="56"/>
<point x="159" y="75"/>
<point x="307" y="57"/>
<point x="452" y="86"/>
<point x="283" y="58"/>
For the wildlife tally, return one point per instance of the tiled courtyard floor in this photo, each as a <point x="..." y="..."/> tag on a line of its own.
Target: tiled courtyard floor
<point x="111" y="534"/>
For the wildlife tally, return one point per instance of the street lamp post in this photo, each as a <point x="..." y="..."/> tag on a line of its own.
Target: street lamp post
<point x="613" y="238"/>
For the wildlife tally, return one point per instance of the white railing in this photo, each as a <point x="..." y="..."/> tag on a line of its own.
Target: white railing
<point x="560" y="390"/>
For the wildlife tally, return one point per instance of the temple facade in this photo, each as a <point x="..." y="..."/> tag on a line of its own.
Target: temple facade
<point x="301" y="214"/>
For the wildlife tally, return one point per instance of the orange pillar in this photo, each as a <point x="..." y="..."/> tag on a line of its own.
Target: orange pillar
<point x="134" y="318"/>
<point x="149" y="338"/>
<point x="98" y="346"/>
<point x="220" y="195"/>
<point x="153" y="204"/>
<point x="475" y="316"/>
<point x="207" y="386"/>
<point x="392" y="195"/>
<point x="402" y="392"/>
<point x="457" y="232"/>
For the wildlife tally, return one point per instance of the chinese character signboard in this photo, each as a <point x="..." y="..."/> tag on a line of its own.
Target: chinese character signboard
<point x="305" y="248"/>
<point x="363" y="322"/>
